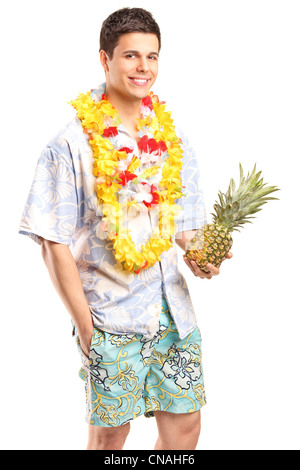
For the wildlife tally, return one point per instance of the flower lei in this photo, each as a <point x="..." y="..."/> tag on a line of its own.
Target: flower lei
<point x="100" y="120"/>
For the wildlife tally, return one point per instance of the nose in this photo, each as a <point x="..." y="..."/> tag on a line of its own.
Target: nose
<point x="143" y="65"/>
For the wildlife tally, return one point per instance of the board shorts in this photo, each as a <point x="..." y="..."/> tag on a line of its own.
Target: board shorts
<point x="127" y="376"/>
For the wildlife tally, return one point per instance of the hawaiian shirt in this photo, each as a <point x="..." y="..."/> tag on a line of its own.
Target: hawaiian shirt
<point x="62" y="206"/>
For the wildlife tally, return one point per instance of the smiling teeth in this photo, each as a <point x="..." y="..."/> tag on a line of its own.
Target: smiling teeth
<point x="139" y="80"/>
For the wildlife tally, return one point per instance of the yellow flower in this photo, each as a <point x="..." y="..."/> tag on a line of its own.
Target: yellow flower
<point x="107" y="108"/>
<point x="149" y="253"/>
<point x="122" y="155"/>
<point x="134" y="165"/>
<point x="106" y="166"/>
<point x="103" y="145"/>
<point x="149" y="172"/>
<point x="151" y="122"/>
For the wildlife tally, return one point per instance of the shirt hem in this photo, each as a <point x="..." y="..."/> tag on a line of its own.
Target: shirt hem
<point x="190" y="226"/>
<point x="36" y="236"/>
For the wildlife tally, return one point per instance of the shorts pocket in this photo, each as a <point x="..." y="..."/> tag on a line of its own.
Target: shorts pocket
<point x="84" y="358"/>
<point x="91" y="363"/>
<point x="92" y="366"/>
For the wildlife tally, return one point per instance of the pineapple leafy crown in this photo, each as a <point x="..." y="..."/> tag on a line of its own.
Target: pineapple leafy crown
<point x="236" y="207"/>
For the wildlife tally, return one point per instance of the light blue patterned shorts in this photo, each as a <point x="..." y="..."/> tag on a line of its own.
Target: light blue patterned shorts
<point x="130" y="375"/>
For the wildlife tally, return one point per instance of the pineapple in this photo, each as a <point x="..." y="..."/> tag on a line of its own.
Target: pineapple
<point x="212" y="242"/>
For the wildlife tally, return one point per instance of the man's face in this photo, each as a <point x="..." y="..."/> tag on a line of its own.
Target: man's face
<point x="134" y="66"/>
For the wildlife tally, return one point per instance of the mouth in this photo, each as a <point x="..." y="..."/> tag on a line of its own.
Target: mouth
<point x="139" y="81"/>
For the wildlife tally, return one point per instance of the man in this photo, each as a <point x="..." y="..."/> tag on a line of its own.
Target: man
<point x="131" y="311"/>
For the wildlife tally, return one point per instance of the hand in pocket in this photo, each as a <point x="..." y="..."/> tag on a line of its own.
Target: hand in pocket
<point x="85" y="342"/>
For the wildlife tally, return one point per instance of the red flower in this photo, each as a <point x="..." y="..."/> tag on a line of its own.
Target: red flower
<point x="147" y="145"/>
<point x="162" y="146"/>
<point x="148" y="102"/>
<point x="153" y="145"/>
<point x="144" y="266"/>
<point x="143" y="144"/>
<point x="126" y="176"/>
<point x="126" y="149"/>
<point x="154" y="194"/>
<point x="110" y="131"/>
<point x="103" y="97"/>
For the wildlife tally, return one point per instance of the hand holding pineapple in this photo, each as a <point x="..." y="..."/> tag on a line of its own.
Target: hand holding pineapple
<point x="211" y="270"/>
<point x="212" y="243"/>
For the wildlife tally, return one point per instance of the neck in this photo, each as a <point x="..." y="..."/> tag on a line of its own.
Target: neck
<point x="128" y="108"/>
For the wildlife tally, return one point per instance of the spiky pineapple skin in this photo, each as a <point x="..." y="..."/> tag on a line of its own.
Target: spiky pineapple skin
<point x="210" y="244"/>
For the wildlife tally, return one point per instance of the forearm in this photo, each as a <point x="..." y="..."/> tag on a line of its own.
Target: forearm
<point x="183" y="238"/>
<point x="66" y="280"/>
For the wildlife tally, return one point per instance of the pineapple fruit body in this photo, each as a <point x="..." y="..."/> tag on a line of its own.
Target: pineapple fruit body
<point x="211" y="244"/>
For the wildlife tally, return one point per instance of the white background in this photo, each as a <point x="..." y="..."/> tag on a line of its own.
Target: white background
<point x="229" y="72"/>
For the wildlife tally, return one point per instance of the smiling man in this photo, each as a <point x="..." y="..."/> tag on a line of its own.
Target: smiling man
<point x="113" y="194"/>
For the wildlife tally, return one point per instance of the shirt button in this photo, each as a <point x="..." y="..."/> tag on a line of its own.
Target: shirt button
<point x="156" y="305"/>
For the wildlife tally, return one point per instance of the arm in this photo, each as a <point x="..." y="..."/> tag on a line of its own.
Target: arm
<point x="182" y="239"/>
<point x="66" y="280"/>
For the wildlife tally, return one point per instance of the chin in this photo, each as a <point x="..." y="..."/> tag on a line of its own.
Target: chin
<point x="139" y="94"/>
<point x="144" y="94"/>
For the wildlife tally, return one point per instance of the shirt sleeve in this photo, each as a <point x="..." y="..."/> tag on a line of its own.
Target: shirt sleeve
<point x="193" y="215"/>
<point x="51" y="208"/>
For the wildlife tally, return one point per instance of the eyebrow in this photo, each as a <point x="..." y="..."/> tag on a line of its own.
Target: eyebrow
<point x="137" y="52"/>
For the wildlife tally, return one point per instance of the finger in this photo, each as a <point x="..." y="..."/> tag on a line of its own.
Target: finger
<point x="194" y="267"/>
<point x="191" y="264"/>
<point x="199" y="272"/>
<point x="213" y="269"/>
<point x="187" y="261"/>
<point x="229" y="255"/>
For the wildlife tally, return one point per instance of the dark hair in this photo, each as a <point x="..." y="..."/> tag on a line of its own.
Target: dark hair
<point x="126" y="20"/>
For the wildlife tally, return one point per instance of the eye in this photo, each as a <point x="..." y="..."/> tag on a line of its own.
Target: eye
<point x="128" y="56"/>
<point x="153" y="57"/>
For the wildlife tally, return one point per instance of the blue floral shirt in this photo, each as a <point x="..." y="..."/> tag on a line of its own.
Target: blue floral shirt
<point x="62" y="207"/>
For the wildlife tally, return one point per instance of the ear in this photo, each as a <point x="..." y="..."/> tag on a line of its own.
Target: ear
<point x="104" y="60"/>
